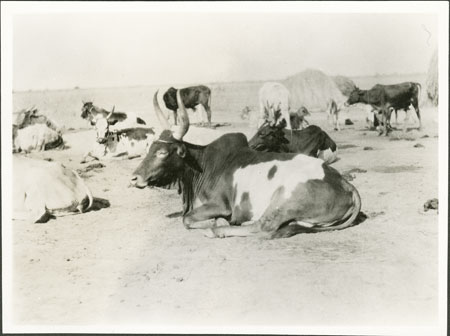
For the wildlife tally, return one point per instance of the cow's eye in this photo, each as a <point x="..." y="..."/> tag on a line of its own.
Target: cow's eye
<point x="162" y="153"/>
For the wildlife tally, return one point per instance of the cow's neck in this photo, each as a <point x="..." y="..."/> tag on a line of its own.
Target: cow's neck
<point x="192" y="177"/>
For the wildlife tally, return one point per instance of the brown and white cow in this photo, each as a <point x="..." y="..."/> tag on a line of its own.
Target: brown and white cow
<point x="271" y="195"/>
<point x="132" y="142"/>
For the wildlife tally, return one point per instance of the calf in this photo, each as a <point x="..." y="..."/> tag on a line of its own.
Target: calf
<point x="42" y="189"/>
<point x="298" y="120"/>
<point x="271" y="195"/>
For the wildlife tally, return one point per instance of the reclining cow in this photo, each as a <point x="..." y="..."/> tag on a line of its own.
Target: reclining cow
<point x="42" y="189"/>
<point x="34" y="131"/>
<point x="271" y="195"/>
<point x="131" y="142"/>
<point x="311" y="141"/>
<point x="37" y="137"/>
<point x="89" y="112"/>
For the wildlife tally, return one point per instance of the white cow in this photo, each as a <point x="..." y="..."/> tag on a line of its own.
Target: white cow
<point x="36" y="137"/>
<point x="42" y="189"/>
<point x="132" y="142"/>
<point x="274" y="98"/>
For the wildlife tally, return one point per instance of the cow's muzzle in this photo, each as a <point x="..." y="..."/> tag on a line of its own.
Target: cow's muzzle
<point x="101" y="140"/>
<point x="138" y="182"/>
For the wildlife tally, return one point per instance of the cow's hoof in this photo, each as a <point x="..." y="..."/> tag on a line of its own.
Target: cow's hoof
<point x="208" y="233"/>
<point x="221" y="222"/>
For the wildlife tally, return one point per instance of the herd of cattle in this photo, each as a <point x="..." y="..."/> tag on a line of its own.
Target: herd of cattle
<point x="277" y="184"/>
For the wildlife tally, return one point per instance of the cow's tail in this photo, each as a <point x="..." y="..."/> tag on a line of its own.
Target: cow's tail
<point x="352" y="213"/>
<point x="88" y="194"/>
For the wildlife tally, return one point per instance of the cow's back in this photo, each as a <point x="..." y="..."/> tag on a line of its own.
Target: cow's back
<point x="48" y="183"/>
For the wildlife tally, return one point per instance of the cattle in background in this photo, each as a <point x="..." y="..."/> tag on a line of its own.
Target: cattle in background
<point x="42" y="189"/>
<point x="37" y="137"/>
<point x="271" y="195"/>
<point x="28" y="117"/>
<point x="274" y="99"/>
<point x="132" y="142"/>
<point x="388" y="98"/>
<point x="89" y="112"/>
<point x="297" y="118"/>
<point x="333" y="114"/>
<point x="194" y="97"/>
<point x="311" y="141"/>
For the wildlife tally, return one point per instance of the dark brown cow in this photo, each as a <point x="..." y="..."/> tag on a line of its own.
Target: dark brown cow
<point x="388" y="98"/>
<point x="271" y="195"/>
<point x="192" y="96"/>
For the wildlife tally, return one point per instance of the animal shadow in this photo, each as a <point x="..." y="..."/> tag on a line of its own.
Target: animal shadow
<point x="98" y="204"/>
<point x="175" y="214"/>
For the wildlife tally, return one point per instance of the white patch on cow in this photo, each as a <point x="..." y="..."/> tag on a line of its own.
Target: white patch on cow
<point x="328" y="155"/>
<point x="34" y="137"/>
<point x="254" y="180"/>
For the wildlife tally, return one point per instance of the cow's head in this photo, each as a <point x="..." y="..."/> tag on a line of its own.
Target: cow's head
<point x="166" y="156"/>
<point x="270" y="138"/>
<point x="170" y="99"/>
<point x="86" y="110"/>
<point x="101" y="125"/>
<point x="354" y="97"/>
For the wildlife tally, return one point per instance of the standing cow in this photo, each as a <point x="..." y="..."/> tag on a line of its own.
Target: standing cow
<point x="388" y="98"/>
<point x="194" y="97"/>
<point x="274" y="99"/>
<point x="271" y="195"/>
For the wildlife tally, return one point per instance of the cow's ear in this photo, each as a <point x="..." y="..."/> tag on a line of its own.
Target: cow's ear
<point x="112" y="122"/>
<point x="181" y="150"/>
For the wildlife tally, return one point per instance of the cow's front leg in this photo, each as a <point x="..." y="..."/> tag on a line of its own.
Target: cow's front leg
<point x="206" y="216"/>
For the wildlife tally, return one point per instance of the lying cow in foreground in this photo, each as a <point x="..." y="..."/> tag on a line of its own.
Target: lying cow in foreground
<point x="271" y="195"/>
<point x="42" y="189"/>
<point x="311" y="141"/>
<point x="89" y="112"/>
<point x="132" y="142"/>
<point x="194" y="97"/>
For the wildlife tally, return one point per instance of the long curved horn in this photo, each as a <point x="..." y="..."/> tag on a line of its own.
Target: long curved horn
<point x="159" y="114"/>
<point x="184" y="119"/>
<point x="110" y="113"/>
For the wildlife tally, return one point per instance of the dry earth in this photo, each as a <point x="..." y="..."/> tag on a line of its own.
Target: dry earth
<point x="131" y="264"/>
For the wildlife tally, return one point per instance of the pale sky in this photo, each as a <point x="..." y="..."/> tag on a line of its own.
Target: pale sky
<point x="52" y="51"/>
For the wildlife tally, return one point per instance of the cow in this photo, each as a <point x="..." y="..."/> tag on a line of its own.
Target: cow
<point x="297" y="118"/>
<point x="132" y="142"/>
<point x="37" y="137"/>
<point x="274" y="99"/>
<point x="311" y="141"/>
<point x="89" y="111"/>
<point x="31" y="116"/>
<point x="266" y="194"/>
<point x="194" y="97"/>
<point x="43" y="189"/>
<point x="388" y="98"/>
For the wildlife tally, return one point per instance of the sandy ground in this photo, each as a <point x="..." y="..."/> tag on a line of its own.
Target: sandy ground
<point x="131" y="264"/>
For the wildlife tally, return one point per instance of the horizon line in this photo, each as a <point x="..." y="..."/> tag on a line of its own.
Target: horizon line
<point x="76" y="87"/>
